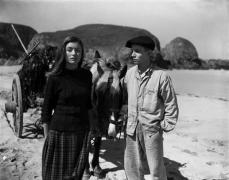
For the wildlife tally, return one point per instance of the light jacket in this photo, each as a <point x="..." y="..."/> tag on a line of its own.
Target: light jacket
<point x="151" y="101"/>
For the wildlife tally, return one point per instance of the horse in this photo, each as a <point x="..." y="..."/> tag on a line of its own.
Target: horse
<point x="107" y="101"/>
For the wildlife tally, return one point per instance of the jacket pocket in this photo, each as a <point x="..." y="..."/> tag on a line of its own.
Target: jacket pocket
<point x="150" y="100"/>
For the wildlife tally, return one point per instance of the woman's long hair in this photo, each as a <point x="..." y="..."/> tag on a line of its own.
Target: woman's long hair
<point x="60" y="60"/>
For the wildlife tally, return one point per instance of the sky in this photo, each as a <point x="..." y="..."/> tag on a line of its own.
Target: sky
<point x="205" y="23"/>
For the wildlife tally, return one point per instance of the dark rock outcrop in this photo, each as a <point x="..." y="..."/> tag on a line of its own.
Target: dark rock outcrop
<point x="181" y="53"/>
<point x="10" y="46"/>
<point x="218" y="64"/>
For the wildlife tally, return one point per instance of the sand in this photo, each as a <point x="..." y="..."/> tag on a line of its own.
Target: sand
<point x="198" y="148"/>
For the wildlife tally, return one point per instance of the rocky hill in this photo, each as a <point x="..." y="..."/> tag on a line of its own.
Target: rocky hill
<point x="10" y="47"/>
<point x="108" y="39"/>
<point x="182" y="54"/>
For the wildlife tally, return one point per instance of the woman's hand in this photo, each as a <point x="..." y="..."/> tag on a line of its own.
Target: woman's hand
<point x="46" y="129"/>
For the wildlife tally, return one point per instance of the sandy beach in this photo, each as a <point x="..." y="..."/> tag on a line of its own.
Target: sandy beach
<point x="197" y="149"/>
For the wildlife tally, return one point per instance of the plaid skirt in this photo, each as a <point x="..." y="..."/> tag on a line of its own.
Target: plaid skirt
<point x="65" y="155"/>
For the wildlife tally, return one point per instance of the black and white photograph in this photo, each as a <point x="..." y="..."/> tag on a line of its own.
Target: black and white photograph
<point x="114" y="89"/>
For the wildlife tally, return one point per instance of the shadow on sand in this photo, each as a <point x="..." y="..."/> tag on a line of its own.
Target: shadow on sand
<point x="113" y="151"/>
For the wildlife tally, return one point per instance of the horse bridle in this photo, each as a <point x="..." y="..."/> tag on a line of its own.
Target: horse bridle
<point x="110" y="80"/>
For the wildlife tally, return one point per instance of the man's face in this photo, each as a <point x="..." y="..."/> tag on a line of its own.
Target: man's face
<point x="140" y="55"/>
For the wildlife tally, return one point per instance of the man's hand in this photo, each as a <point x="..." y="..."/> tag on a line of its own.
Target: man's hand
<point x="112" y="130"/>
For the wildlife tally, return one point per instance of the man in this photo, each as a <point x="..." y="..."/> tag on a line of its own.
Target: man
<point x="152" y="109"/>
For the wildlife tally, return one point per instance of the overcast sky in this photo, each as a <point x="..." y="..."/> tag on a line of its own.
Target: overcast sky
<point x="203" y="22"/>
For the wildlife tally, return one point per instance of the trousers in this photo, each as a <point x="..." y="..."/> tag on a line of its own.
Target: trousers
<point x="144" y="151"/>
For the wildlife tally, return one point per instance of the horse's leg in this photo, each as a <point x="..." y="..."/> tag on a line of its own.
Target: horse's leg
<point x="97" y="146"/>
<point x="95" y="160"/>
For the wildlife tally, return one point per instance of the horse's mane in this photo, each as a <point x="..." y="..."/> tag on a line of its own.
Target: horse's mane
<point x="101" y="73"/>
<point x="104" y="80"/>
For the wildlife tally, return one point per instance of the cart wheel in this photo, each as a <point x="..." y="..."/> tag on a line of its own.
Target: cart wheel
<point x="17" y="98"/>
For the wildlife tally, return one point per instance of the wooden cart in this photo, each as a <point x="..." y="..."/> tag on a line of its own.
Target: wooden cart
<point x="28" y="84"/>
<point x="16" y="106"/>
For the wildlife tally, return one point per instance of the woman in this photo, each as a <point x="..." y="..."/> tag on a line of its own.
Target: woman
<point x="65" y="114"/>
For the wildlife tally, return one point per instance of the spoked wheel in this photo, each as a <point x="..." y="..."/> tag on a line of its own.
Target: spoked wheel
<point x="17" y="99"/>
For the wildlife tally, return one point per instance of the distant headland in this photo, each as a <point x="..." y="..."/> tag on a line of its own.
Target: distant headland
<point x="109" y="40"/>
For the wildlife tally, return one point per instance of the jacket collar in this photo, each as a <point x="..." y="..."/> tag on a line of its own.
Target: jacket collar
<point x="147" y="73"/>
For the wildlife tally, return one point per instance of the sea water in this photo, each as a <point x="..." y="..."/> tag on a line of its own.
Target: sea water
<point x="204" y="83"/>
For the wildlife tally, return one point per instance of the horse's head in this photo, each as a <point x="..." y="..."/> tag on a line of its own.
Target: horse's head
<point x="107" y="92"/>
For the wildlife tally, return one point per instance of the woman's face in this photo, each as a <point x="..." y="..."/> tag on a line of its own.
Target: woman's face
<point x="73" y="51"/>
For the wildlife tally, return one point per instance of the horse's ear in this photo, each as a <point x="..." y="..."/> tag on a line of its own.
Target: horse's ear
<point x="99" y="69"/>
<point x="122" y="71"/>
<point x="97" y="55"/>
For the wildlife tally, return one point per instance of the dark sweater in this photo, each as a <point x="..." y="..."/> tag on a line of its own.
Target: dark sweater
<point x="69" y="95"/>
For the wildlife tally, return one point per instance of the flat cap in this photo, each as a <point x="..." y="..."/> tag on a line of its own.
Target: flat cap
<point x="144" y="41"/>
